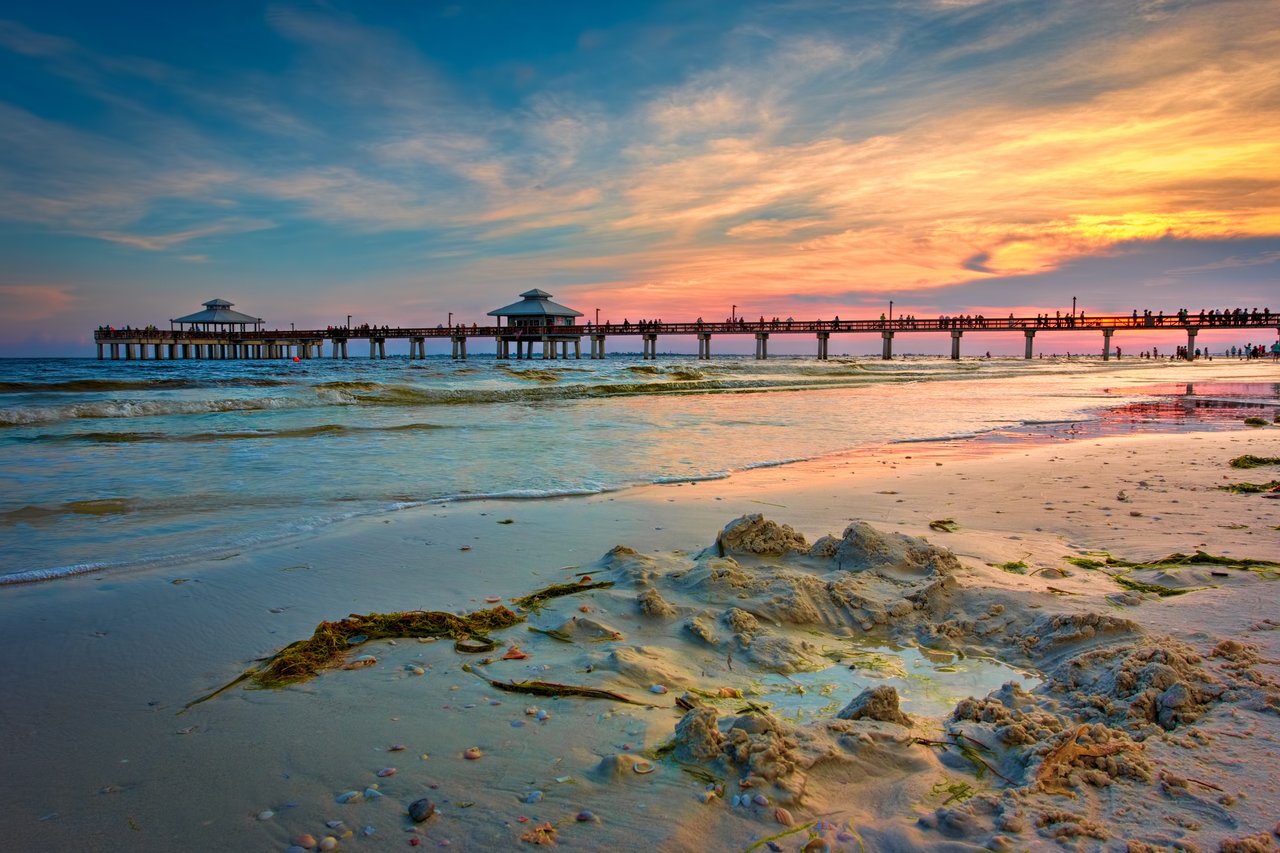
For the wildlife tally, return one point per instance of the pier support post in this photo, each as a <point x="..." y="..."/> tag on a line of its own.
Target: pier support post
<point x="1030" y="335"/>
<point x="546" y="349"/>
<point x="650" y="346"/>
<point x="459" y="348"/>
<point x="1106" y="343"/>
<point x="597" y="346"/>
<point x="955" y="343"/>
<point x="99" y="350"/>
<point x="115" y="352"/>
<point x="128" y="352"/>
<point x="704" y="346"/>
<point x="824" y="344"/>
<point x="577" y="348"/>
<point x="762" y="345"/>
<point x="1191" y="343"/>
<point x="887" y="353"/>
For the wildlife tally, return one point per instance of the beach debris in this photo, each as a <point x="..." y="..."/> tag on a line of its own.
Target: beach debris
<point x="327" y="843"/>
<point x="760" y="800"/>
<point x="266" y="814"/>
<point x="372" y="793"/>
<point x="533" y="797"/>
<point x="1251" y="461"/>
<point x="543" y="715"/>
<point x="585" y="817"/>
<point x="533" y="599"/>
<point x="507" y="521"/>
<point x="472" y="753"/>
<point x="543" y="834"/>
<point x="306" y="841"/>
<point x="644" y="768"/>
<point x="397" y="747"/>
<point x="550" y="688"/>
<point x="1251" y="488"/>
<point x="349" y="797"/>
<point x="944" y="525"/>
<point x="657" y="688"/>
<point x="301" y="660"/>
<point x="387" y="771"/>
<point x="474" y="645"/>
<point x="514" y="652"/>
<point x="1057" y="764"/>
<point x="421" y="810"/>
<point x="783" y="816"/>
<point x="360" y="662"/>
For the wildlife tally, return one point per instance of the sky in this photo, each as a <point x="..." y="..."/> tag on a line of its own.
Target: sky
<point x="400" y="161"/>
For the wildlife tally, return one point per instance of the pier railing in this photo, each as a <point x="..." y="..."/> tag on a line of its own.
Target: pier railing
<point x="308" y="343"/>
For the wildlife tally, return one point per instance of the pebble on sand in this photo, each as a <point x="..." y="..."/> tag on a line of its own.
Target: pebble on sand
<point x="420" y="810"/>
<point x="472" y="753"/>
<point x="387" y="771"/>
<point x="658" y="688"/>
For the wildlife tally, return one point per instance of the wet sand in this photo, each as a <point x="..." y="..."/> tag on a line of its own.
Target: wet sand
<point x="98" y="757"/>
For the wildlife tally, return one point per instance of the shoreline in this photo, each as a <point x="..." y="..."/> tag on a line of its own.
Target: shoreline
<point x="136" y="647"/>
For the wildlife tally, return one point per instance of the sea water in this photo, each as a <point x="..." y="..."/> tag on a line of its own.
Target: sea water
<point x="109" y="465"/>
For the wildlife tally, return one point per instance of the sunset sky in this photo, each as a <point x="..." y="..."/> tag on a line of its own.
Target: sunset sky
<point x="401" y="160"/>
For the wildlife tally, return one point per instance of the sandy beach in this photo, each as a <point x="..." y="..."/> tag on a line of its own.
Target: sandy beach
<point x="1148" y="720"/>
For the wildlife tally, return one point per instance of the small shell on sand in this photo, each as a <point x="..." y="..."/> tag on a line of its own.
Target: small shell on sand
<point x="760" y="800"/>
<point x="492" y="599"/>
<point x="585" y="817"/>
<point x="658" y="688"/>
<point x="350" y="797"/>
<point x="387" y="771"/>
<point x="328" y="843"/>
<point x="266" y="814"/>
<point x="472" y="753"/>
<point x="643" y="767"/>
<point x="306" y="841"/>
<point x="417" y="670"/>
<point x="397" y="747"/>
<point x="362" y="661"/>
<point x="783" y="816"/>
<point x="421" y="810"/>
<point x="543" y="715"/>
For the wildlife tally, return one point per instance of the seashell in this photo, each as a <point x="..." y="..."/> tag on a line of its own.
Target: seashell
<point x="760" y="800"/>
<point x="816" y="845"/>
<point x="387" y="771"/>
<point x="333" y="824"/>
<point x="306" y="841"/>
<point x="372" y="794"/>
<point x="585" y="817"/>
<point x="783" y="817"/>
<point x="643" y="767"/>
<point x="350" y="797"/>
<point x="492" y="599"/>
<point x="729" y="693"/>
<point x="706" y="796"/>
<point x="514" y="653"/>
<point x="356" y="639"/>
<point x="529" y="712"/>
<point x="266" y="814"/>
<point x="543" y="715"/>
<point x="583" y="608"/>
<point x="362" y="661"/>
<point x="397" y="747"/>
<point x="534" y="797"/>
<point x="658" y="688"/>
<point x="368" y="830"/>
<point x="417" y="670"/>
<point x="328" y="843"/>
<point x="420" y="810"/>
<point x="472" y="753"/>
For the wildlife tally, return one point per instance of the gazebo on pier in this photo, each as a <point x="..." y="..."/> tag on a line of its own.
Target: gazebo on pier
<point x="217" y="313"/>
<point x="536" y="317"/>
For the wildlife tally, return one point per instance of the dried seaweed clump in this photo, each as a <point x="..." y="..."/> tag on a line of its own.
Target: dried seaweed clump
<point x="534" y="599"/>
<point x="332" y="640"/>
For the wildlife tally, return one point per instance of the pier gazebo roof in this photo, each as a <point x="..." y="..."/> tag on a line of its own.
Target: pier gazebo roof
<point x="534" y="303"/>
<point x="218" y="312"/>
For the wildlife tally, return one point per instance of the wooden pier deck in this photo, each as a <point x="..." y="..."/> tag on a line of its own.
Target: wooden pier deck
<point x="557" y="341"/>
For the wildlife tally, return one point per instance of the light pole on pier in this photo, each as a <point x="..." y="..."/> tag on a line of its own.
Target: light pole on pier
<point x="733" y="314"/>
<point x="890" y="310"/>
<point x="291" y="328"/>
<point x="1073" y="307"/>
<point x="597" y="316"/>
<point x="348" y="322"/>
<point x="450" y="319"/>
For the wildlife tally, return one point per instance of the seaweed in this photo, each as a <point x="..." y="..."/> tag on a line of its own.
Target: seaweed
<point x="944" y="525"/>
<point x="534" y="599"/>
<point x="1017" y="567"/>
<point x="552" y="633"/>
<point x="1251" y="461"/>
<point x="1158" y="589"/>
<point x="957" y="792"/>
<point x="1176" y="561"/>
<point x="331" y="640"/>
<point x="755" y="845"/>
<point x="1255" y="421"/>
<point x="551" y="688"/>
<point x="1251" y="488"/>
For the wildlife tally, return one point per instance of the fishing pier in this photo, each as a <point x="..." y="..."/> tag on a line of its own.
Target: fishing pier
<point x="539" y="328"/>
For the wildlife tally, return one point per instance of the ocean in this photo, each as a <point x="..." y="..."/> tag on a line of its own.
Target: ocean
<point x="113" y="465"/>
